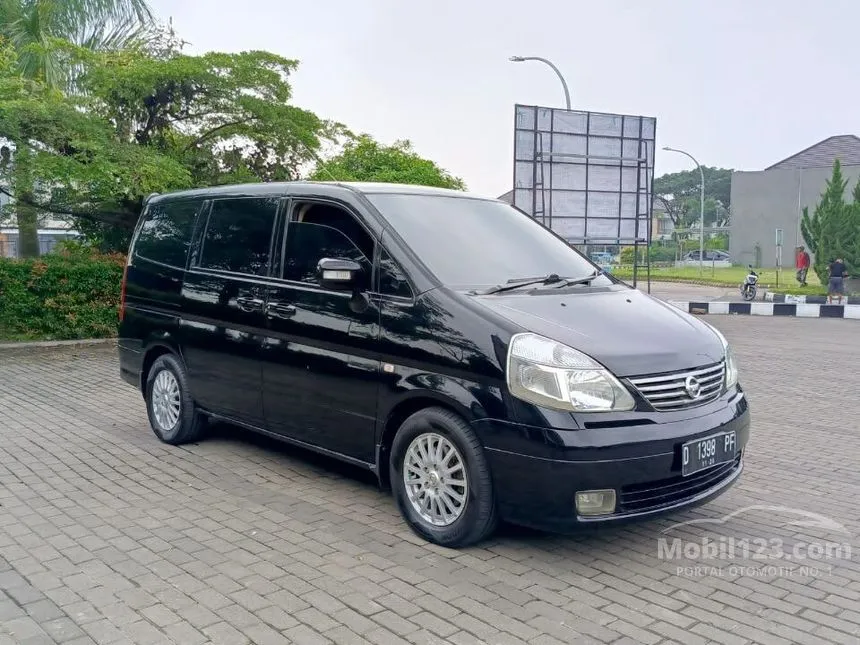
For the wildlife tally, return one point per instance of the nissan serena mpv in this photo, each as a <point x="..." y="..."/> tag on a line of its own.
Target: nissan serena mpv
<point x="478" y="365"/>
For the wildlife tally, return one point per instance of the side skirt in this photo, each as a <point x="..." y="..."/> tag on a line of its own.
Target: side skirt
<point x="295" y="442"/>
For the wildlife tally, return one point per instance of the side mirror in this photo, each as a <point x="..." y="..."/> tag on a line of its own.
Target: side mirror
<point x="339" y="275"/>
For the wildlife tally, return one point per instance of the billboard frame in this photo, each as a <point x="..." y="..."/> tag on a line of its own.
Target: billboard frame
<point x="543" y="161"/>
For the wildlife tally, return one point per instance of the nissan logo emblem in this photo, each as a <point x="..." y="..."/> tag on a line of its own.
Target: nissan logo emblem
<point x="693" y="387"/>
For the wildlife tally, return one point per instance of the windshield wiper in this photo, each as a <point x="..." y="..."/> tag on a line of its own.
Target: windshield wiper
<point x="517" y="283"/>
<point x="585" y="280"/>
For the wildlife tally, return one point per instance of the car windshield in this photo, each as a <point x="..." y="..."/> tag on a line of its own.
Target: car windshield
<point x="473" y="243"/>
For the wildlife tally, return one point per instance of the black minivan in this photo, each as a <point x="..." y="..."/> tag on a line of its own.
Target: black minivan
<point x="482" y="368"/>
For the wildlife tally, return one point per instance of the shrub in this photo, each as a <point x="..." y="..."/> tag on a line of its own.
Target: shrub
<point x="71" y="294"/>
<point x="657" y="253"/>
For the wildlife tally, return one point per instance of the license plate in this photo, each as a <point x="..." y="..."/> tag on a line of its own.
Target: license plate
<point x="709" y="451"/>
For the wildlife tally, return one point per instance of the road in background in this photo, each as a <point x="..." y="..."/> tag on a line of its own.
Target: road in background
<point x="694" y="292"/>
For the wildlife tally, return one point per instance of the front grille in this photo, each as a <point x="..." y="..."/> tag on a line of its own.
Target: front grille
<point x="670" y="391"/>
<point x="653" y="495"/>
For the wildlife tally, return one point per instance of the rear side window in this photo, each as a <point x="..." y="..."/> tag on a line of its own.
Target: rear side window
<point x="165" y="234"/>
<point x="238" y="235"/>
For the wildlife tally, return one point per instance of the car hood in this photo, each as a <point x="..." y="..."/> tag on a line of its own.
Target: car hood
<point x="629" y="332"/>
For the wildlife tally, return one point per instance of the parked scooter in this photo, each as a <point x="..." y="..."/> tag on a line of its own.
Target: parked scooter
<point x="750" y="285"/>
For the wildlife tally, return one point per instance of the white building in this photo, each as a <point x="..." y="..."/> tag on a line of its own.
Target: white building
<point x="51" y="231"/>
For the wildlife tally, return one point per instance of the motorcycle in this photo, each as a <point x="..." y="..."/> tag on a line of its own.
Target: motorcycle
<point x="750" y="285"/>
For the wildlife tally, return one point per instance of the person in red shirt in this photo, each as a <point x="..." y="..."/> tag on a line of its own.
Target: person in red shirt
<point x="802" y="265"/>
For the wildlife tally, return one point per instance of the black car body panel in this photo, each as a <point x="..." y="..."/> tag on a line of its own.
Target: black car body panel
<point x="271" y="349"/>
<point x="624" y="327"/>
<point x="540" y="469"/>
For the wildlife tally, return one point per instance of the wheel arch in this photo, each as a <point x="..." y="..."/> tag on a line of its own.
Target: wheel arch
<point x="154" y="349"/>
<point x="402" y="410"/>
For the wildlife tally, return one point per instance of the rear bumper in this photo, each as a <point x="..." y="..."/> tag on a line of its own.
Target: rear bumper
<point x="646" y="475"/>
<point x="130" y="364"/>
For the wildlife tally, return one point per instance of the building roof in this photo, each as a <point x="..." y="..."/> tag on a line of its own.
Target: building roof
<point x="845" y="147"/>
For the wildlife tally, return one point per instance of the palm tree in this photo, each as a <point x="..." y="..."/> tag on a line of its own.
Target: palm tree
<point x="36" y="29"/>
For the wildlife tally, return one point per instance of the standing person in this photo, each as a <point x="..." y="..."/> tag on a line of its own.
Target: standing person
<point x="802" y="264"/>
<point x="836" y="286"/>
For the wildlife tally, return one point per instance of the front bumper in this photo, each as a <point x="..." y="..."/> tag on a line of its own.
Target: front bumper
<point x="642" y="464"/>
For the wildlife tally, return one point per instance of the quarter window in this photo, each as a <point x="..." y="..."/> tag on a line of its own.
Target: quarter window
<point x="392" y="280"/>
<point x="165" y="234"/>
<point x="238" y="235"/>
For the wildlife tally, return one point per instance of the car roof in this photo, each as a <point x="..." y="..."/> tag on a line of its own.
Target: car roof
<point x="279" y="188"/>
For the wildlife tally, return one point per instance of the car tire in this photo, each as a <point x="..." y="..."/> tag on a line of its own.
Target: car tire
<point x="428" y="502"/>
<point x="172" y="413"/>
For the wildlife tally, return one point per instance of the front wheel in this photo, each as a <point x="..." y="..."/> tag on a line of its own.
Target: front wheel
<point x="749" y="292"/>
<point x="441" y="479"/>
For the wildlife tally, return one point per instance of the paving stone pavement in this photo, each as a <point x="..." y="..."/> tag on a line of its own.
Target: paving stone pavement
<point x="108" y="536"/>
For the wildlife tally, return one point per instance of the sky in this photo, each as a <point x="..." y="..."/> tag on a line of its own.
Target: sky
<point x="737" y="83"/>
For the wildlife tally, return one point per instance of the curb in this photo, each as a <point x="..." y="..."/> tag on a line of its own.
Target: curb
<point x="810" y="300"/>
<point x="801" y="310"/>
<point x="722" y="284"/>
<point x="48" y="344"/>
<point x="691" y="281"/>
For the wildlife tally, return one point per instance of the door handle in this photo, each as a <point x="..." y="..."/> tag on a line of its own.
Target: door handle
<point x="249" y="304"/>
<point x="280" y="310"/>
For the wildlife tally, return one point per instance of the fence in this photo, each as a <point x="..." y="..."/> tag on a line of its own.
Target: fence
<point x="9" y="247"/>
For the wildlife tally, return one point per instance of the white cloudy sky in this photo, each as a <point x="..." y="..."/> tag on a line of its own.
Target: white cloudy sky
<point x="738" y="83"/>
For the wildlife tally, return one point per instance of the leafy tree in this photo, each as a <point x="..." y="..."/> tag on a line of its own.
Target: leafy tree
<point x="150" y="121"/>
<point x="38" y="31"/>
<point x="679" y="192"/>
<point x="69" y="161"/>
<point x="832" y="230"/>
<point x="364" y="159"/>
<point x="852" y="252"/>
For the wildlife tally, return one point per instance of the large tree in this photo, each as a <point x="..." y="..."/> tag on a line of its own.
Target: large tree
<point x="364" y="159"/>
<point x="70" y="161"/>
<point x="679" y="193"/>
<point x="833" y="229"/>
<point x="38" y="31"/>
<point x="177" y="120"/>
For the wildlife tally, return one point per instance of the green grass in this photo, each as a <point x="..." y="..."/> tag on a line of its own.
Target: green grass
<point x="728" y="277"/>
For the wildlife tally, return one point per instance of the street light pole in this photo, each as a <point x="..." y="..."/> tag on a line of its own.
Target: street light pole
<point x="701" y="207"/>
<point x="520" y="59"/>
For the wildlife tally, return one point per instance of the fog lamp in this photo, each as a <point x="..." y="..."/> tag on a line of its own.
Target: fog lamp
<point x="595" y="502"/>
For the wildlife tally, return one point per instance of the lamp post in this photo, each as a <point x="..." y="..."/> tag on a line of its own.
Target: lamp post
<point x="701" y="207"/>
<point x="520" y="59"/>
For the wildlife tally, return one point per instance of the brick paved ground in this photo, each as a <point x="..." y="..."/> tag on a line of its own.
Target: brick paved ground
<point x="108" y="536"/>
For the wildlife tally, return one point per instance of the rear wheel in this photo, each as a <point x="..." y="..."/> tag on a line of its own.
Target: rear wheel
<point x="441" y="479"/>
<point x="172" y="414"/>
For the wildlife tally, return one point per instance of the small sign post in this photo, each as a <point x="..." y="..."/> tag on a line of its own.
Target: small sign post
<point x="778" y="254"/>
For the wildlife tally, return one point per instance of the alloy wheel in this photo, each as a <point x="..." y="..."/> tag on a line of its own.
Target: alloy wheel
<point x="434" y="474"/>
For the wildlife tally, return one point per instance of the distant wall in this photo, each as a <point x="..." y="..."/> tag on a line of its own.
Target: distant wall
<point x="765" y="200"/>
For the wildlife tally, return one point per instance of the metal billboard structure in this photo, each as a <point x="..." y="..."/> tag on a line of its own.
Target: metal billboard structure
<point x="587" y="176"/>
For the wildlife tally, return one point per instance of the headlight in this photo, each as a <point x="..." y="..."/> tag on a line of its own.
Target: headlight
<point x="547" y="373"/>
<point x="731" y="368"/>
<point x="731" y="363"/>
